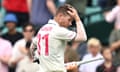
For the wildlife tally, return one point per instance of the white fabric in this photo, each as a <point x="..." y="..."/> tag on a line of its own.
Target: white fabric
<point x="90" y="67"/>
<point x="16" y="49"/>
<point x="26" y="65"/>
<point x="57" y="39"/>
<point x="16" y="53"/>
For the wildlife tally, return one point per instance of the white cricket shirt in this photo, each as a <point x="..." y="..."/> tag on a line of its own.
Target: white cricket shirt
<point x="51" y="41"/>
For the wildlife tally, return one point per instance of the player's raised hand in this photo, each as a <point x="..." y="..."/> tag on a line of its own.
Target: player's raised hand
<point x="73" y="12"/>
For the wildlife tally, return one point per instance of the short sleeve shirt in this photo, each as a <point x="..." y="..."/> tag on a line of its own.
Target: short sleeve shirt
<point x="51" y="42"/>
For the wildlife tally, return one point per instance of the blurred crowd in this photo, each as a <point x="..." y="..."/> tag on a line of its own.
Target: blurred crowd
<point x="21" y="19"/>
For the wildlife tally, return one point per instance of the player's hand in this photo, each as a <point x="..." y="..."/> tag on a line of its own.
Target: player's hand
<point x="71" y="66"/>
<point x="73" y="12"/>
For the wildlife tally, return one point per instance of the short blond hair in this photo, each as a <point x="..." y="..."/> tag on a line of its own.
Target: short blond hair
<point x="94" y="42"/>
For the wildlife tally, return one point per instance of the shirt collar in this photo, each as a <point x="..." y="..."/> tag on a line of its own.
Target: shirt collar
<point x="51" y="21"/>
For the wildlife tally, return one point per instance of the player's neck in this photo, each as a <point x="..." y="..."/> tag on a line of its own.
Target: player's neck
<point x="57" y="20"/>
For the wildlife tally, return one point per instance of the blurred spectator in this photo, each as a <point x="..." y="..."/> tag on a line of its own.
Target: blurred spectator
<point x="12" y="35"/>
<point x="107" y="66"/>
<point x="70" y="56"/>
<point x="26" y="64"/>
<point x="19" y="8"/>
<point x="20" y="49"/>
<point x="115" y="46"/>
<point x="94" y="47"/>
<point x="114" y="15"/>
<point x="82" y="49"/>
<point x="5" y="54"/>
<point x="114" y="39"/>
<point x="41" y="11"/>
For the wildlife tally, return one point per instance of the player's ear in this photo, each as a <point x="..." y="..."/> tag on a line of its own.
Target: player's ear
<point x="60" y="15"/>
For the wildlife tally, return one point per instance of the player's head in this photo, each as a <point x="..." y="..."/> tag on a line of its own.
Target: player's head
<point x="62" y="16"/>
<point x="94" y="46"/>
<point x="28" y="31"/>
<point x="107" y="54"/>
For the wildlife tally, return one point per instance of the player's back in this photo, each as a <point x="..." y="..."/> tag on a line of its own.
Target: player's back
<point x="51" y="48"/>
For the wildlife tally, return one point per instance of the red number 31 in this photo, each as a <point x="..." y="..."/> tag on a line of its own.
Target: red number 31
<point x="40" y="38"/>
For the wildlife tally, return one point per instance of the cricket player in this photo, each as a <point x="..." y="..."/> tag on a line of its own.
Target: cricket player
<point x="53" y="37"/>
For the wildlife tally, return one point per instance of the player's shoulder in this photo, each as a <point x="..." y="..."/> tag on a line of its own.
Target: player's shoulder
<point x="61" y="29"/>
<point x="46" y="27"/>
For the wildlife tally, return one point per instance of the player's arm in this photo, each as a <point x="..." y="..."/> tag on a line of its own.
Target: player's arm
<point x="81" y="34"/>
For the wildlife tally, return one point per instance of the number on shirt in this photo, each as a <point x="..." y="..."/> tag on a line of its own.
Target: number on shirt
<point x="45" y="38"/>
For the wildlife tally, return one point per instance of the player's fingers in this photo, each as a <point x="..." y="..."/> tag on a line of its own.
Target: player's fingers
<point x="72" y="9"/>
<point x="69" y="12"/>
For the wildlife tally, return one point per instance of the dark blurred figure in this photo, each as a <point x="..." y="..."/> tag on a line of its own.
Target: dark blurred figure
<point x="82" y="49"/>
<point x="12" y="35"/>
<point x="89" y="3"/>
<point x="102" y="3"/>
<point x="19" y="8"/>
<point x="106" y="4"/>
<point x="107" y="66"/>
<point x="41" y="11"/>
<point x="111" y="3"/>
